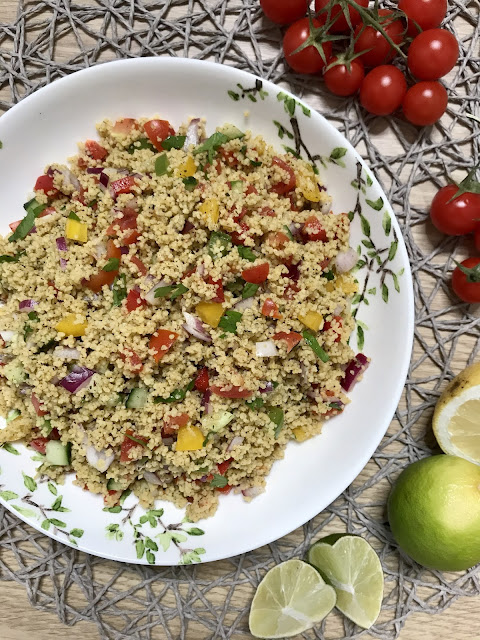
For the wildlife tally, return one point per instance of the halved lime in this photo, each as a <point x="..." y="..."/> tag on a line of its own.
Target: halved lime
<point x="291" y="598"/>
<point x="353" y="569"/>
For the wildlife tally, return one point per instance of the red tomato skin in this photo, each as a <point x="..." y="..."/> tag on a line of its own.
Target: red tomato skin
<point x="292" y="338"/>
<point x="98" y="280"/>
<point x="312" y="231"/>
<point x="425" y="103"/>
<point x="134" y="300"/>
<point x="218" y="284"/>
<point x="139" y="264"/>
<point x="123" y="185"/>
<point x="128" y="444"/>
<point x="176" y="421"/>
<point x="223" y="466"/>
<point x="476" y="238"/>
<point x="95" y="150"/>
<point x="257" y="274"/>
<point x="132" y="360"/>
<point x="45" y="184"/>
<point x="379" y="50"/>
<point x="466" y="291"/>
<point x="383" y="90"/>
<point x="202" y="381"/>
<point x="238" y="237"/>
<point x="230" y="391"/>
<point x="308" y="60"/>
<point x="124" y="126"/>
<point x="455" y="217"/>
<point x="37" y="405"/>
<point x="226" y="489"/>
<point x="277" y="239"/>
<point x="340" y="25"/>
<point x="433" y="54"/>
<point x="428" y="14"/>
<point x="270" y="309"/>
<point x="284" y="187"/>
<point x="157" y="131"/>
<point x="344" y="82"/>
<point x="161" y="338"/>
<point x="284" y="11"/>
<point x="39" y="444"/>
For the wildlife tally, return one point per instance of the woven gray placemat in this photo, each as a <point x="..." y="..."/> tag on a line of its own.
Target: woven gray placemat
<point x="211" y="601"/>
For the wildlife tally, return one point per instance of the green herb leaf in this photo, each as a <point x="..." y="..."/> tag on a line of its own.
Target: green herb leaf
<point x="33" y="316"/>
<point x="171" y="292"/>
<point x="73" y="216"/>
<point x="29" y="482"/>
<point x="257" y="403"/>
<point x="314" y="345"/>
<point x="119" y="289"/>
<point x="137" y="440"/>
<point x="236" y="286"/>
<point x="228" y="322"/>
<point x="277" y="416"/>
<point x="219" y="244"/>
<point x="328" y="275"/>
<point x="211" y="145"/>
<point x="14" y="258"/>
<point x="46" y="347"/>
<point x="190" y="183"/>
<point x="246" y="253"/>
<point x="256" y="163"/>
<point x="218" y="481"/>
<point x="161" y="165"/>
<point x="33" y="209"/>
<point x="249" y="290"/>
<point x="143" y="143"/>
<point x="112" y="264"/>
<point x="288" y="232"/>
<point x="173" y="142"/>
<point x="176" y="396"/>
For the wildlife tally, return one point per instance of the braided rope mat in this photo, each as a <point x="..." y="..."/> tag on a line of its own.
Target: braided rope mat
<point x="212" y="601"/>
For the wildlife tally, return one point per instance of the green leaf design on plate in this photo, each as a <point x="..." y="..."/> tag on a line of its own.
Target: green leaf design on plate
<point x="140" y="548"/>
<point x="360" y="337"/>
<point x="195" y="531"/>
<point x="8" y="495"/>
<point x="52" y="488"/>
<point x="151" y="544"/>
<point x="234" y="96"/>
<point x="377" y="204"/>
<point x="387" y="223"/>
<point x="116" y="509"/>
<point x="77" y="533"/>
<point x="164" y="540"/>
<point x="385" y="293"/>
<point x="178" y="537"/>
<point x="58" y="523"/>
<point x="10" y="448"/>
<point x="396" y="283"/>
<point x="393" y="250"/>
<point x="29" y="482"/>
<point x="365" y="225"/>
<point x="28" y="513"/>
<point x="149" y="555"/>
<point x="46" y="525"/>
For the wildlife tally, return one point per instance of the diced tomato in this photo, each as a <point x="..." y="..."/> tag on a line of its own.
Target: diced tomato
<point x="2" y="342"/>
<point x="54" y="435"/>
<point x="230" y="391"/>
<point x="123" y="185"/>
<point x="266" y="211"/>
<point x="82" y="164"/>
<point x="277" y="239"/>
<point x="219" y="295"/>
<point x="127" y="220"/>
<point x="328" y="325"/>
<point x="284" y="187"/>
<point x="229" y="157"/>
<point x="251" y="189"/>
<point x="223" y="466"/>
<point x="293" y="202"/>
<point x="80" y="197"/>
<point x="161" y="342"/>
<point x="124" y="126"/>
<point x="39" y="444"/>
<point x="312" y="230"/>
<point x="37" y="405"/>
<point x="292" y="338"/>
<point x="134" y="300"/>
<point x="139" y="264"/>
<point x="108" y="499"/>
<point x="157" y="131"/>
<point x="45" y="184"/>
<point x="129" y="444"/>
<point x="96" y="282"/>
<point x="189" y="272"/>
<point x="293" y="272"/>
<point x="202" y="381"/>
<point x="257" y="274"/>
<point x="226" y="489"/>
<point x="324" y="264"/>
<point x="95" y="150"/>
<point x="173" y="423"/>
<point x="132" y="360"/>
<point x="270" y="309"/>
<point x="14" y="225"/>
<point x="238" y="237"/>
<point x="291" y="291"/>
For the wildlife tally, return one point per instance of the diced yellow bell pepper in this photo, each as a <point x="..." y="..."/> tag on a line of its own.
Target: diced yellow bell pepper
<point x="300" y="434"/>
<point x="312" y="320"/>
<point x="71" y="327"/>
<point x="210" y="312"/>
<point x="347" y="285"/>
<point x="210" y="210"/>
<point x="189" y="438"/>
<point x="188" y="168"/>
<point x="75" y="230"/>
<point x="309" y="186"/>
<point x="330" y="286"/>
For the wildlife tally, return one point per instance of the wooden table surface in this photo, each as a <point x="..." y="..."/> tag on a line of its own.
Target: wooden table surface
<point x="19" y="620"/>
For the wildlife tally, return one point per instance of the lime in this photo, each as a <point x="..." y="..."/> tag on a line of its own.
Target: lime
<point x="434" y="512"/>
<point x="290" y="599"/>
<point x="456" y="421"/>
<point x="352" y="567"/>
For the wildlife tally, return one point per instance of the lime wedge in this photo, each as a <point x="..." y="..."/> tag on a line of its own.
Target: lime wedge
<point x="353" y="569"/>
<point x="291" y="598"/>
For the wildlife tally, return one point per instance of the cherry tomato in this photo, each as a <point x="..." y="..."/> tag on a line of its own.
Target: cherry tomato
<point x="202" y="381"/>
<point x="161" y="341"/>
<point x="180" y="421"/>
<point x="476" y="238"/>
<point x="292" y="338"/>
<point x="238" y="237"/>
<point x="38" y="406"/>
<point x="383" y="90"/>
<point x="95" y="150"/>
<point x="157" y="131"/>
<point x="425" y="103"/>
<point x="223" y="466"/>
<point x="257" y="274"/>
<point x="309" y="59"/>
<point x="433" y="54"/>
<point x="129" y="444"/>
<point x="270" y="309"/>
<point x="284" y="11"/>
<point x="226" y="489"/>
<point x="134" y="300"/>
<point x="344" y="79"/>
<point x="379" y="50"/>
<point x="139" y="264"/>
<point x="96" y="282"/>
<point x="128" y="220"/>
<point x="39" y="444"/>
<point x="284" y="187"/>
<point x="329" y="325"/>
<point x="312" y="231"/>
<point x="230" y="391"/>
<point x="218" y="284"/>
<point x="277" y="239"/>
<point x="132" y="360"/>
<point x="123" y="185"/>
<point x="340" y="25"/>
<point x="45" y="184"/>
<point x="467" y="287"/>
<point x="124" y="126"/>
<point x="457" y="216"/>
<point x="428" y="14"/>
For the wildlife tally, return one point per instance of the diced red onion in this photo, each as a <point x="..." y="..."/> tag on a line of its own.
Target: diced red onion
<point x="195" y="327"/>
<point x="61" y="244"/>
<point x="267" y="388"/>
<point x="294" y="228"/>
<point x="236" y="442"/>
<point x="70" y="179"/>
<point x="346" y="260"/>
<point x="203" y="478"/>
<point x="150" y="295"/>
<point x="354" y="370"/>
<point x="200" y="269"/>
<point x="4" y="358"/>
<point x="95" y="170"/>
<point x="104" y="180"/>
<point x="99" y="460"/>
<point x="266" y="349"/>
<point x="205" y="403"/>
<point x="77" y="379"/>
<point x="66" y="353"/>
<point x="25" y="389"/>
<point x="252" y="492"/>
<point x="124" y="250"/>
<point x="187" y="227"/>
<point x="27" y="305"/>
<point x="152" y="478"/>
<point x="241" y="305"/>
<point x="63" y="264"/>
<point x="192" y="134"/>
<point x="293" y="272"/>
<point x="304" y="374"/>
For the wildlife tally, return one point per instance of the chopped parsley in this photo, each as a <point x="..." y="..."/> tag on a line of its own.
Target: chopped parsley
<point x="143" y="143"/>
<point x="246" y="253"/>
<point x="329" y="275"/>
<point x="249" y="290"/>
<point x="288" y="232"/>
<point x="335" y="405"/>
<point x="112" y="264"/>
<point x="161" y="165"/>
<point x="119" y="289"/>
<point x="27" y="331"/>
<point x="236" y="286"/>
<point x="219" y="244"/>
<point x="171" y="292"/>
<point x="190" y="183"/>
<point x="177" y="395"/>
<point x="257" y="403"/>
<point x="211" y="145"/>
<point x="314" y="345"/>
<point x="256" y="163"/>
<point x="173" y="142"/>
<point x="33" y="209"/>
<point x="33" y="316"/>
<point x="228" y="322"/>
<point x="277" y="416"/>
<point x="46" y="347"/>
<point x="137" y="440"/>
<point x="73" y="216"/>
<point x="218" y="481"/>
<point x="14" y="258"/>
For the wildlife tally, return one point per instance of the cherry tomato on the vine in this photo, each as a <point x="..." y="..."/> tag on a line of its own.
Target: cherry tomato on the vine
<point x="433" y="54"/>
<point x="455" y="216"/>
<point x="476" y="238"/>
<point x="425" y="103"/>
<point x="467" y="285"/>
<point x="377" y="49"/>
<point x="309" y="59"/>
<point x="428" y="14"/>
<point x="284" y="11"/>
<point x="340" y="25"/>
<point x="383" y="90"/>
<point x="344" y="79"/>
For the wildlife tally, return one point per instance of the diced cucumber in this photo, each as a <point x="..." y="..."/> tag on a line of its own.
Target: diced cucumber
<point x="231" y="131"/>
<point x="113" y="485"/>
<point x="12" y="414"/>
<point x="116" y="398"/>
<point x="237" y="185"/>
<point x="137" y="399"/>
<point x="57" y="454"/>
<point x="14" y="372"/>
<point x="217" y="422"/>
<point x="46" y="428"/>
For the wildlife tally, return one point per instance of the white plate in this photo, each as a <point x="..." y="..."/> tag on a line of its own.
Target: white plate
<point x="45" y="128"/>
